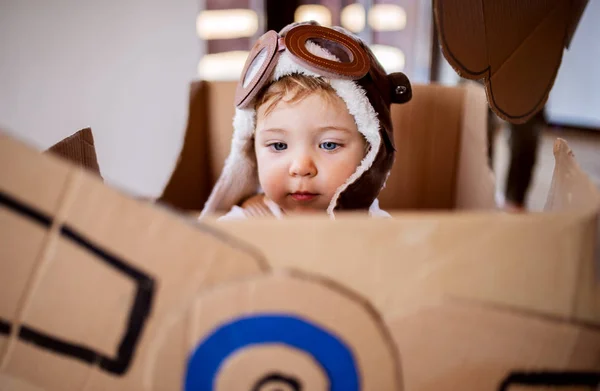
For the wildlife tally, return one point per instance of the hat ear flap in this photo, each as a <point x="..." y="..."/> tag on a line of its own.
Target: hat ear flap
<point x="239" y="177"/>
<point x="400" y="88"/>
<point x="238" y="181"/>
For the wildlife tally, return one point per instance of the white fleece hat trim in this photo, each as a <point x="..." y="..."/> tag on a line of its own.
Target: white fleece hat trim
<point x="230" y="189"/>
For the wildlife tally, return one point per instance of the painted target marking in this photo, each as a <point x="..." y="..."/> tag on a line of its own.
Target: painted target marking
<point x="265" y="333"/>
<point x="277" y="382"/>
<point x="329" y="351"/>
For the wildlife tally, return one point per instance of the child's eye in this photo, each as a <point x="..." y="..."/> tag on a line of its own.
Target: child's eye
<point x="329" y="145"/>
<point x="278" y="146"/>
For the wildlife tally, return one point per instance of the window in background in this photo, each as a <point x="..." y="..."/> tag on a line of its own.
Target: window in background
<point x="222" y="66"/>
<point x="398" y="31"/>
<point x="353" y="17"/>
<point x="391" y="58"/>
<point x="387" y="17"/>
<point x="226" y="24"/>
<point x="394" y="34"/>
<point x="318" y="13"/>
<point x="326" y="12"/>
<point x="227" y="30"/>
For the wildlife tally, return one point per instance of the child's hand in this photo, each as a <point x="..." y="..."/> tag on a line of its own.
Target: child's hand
<point x="256" y="207"/>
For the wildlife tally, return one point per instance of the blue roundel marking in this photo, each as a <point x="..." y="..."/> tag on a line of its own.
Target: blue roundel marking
<point x="328" y="350"/>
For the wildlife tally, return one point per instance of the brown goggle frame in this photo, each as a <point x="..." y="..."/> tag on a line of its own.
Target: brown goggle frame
<point x="354" y="62"/>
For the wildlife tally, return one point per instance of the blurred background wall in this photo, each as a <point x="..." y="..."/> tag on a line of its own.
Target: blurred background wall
<point x="575" y="97"/>
<point x="122" y="67"/>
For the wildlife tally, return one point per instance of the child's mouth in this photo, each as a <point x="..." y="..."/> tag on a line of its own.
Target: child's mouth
<point x="303" y="196"/>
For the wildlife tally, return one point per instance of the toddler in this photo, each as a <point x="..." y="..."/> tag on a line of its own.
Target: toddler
<point x="312" y="127"/>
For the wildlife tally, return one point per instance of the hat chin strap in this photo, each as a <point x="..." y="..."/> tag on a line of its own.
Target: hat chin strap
<point x="368" y="125"/>
<point x="236" y="182"/>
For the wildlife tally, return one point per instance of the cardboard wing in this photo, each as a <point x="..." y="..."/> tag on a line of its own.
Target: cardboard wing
<point x="99" y="291"/>
<point x="515" y="46"/>
<point x="478" y="301"/>
<point x="84" y="271"/>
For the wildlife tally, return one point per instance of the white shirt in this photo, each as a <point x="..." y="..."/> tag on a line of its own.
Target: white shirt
<point x="238" y="213"/>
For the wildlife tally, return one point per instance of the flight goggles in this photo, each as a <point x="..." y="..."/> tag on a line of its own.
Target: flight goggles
<point x="354" y="60"/>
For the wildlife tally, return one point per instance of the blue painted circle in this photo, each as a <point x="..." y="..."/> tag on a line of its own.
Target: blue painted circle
<point x="328" y="350"/>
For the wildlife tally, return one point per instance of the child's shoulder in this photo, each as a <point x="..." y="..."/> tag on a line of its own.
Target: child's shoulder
<point x="376" y="211"/>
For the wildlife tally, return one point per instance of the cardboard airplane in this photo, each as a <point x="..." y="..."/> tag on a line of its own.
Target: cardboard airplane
<point x="515" y="47"/>
<point x="102" y="291"/>
<point x="99" y="290"/>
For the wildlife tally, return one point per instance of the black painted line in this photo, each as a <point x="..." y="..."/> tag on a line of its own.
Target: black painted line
<point x="138" y="314"/>
<point x="105" y="256"/>
<point x="23" y="209"/>
<point x="548" y="379"/>
<point x="56" y="345"/>
<point x="290" y="382"/>
<point x="5" y="327"/>
<point x="140" y="309"/>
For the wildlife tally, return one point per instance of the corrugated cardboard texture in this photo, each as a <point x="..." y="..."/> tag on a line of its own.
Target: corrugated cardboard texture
<point x="190" y="184"/>
<point x="206" y="145"/>
<point x="432" y="161"/>
<point x="475" y="182"/>
<point x="478" y="347"/>
<point x="529" y="263"/>
<point x="287" y="299"/>
<point x="84" y="270"/>
<point x="79" y="149"/>
<point x="220" y="95"/>
<point x="516" y="46"/>
<point x="470" y="300"/>
<point x="427" y="132"/>
<point x="113" y="293"/>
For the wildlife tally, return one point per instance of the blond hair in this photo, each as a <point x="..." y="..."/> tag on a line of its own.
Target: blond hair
<point x="293" y="88"/>
<point x="296" y="87"/>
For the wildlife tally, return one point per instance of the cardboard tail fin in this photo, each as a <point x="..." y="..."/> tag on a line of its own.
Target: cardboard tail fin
<point x="78" y="148"/>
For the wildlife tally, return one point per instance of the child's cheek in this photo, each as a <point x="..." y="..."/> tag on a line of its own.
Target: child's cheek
<point x="272" y="173"/>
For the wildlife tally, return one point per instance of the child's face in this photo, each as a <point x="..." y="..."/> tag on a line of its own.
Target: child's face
<point x="305" y="151"/>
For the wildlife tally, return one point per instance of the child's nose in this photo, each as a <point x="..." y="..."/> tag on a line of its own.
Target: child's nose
<point x="303" y="165"/>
